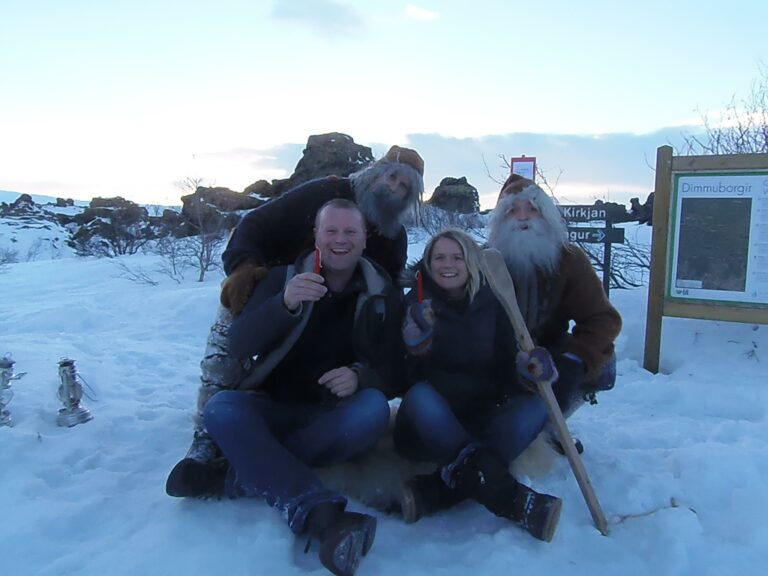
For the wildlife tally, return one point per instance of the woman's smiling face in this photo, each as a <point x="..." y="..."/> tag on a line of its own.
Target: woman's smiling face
<point x="448" y="268"/>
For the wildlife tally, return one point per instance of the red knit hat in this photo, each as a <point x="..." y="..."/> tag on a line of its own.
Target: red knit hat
<point x="405" y="156"/>
<point x="515" y="184"/>
<point x="521" y="188"/>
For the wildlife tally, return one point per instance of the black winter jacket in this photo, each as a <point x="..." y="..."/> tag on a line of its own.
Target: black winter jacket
<point x="471" y="361"/>
<point x="267" y="330"/>
<point x="277" y="232"/>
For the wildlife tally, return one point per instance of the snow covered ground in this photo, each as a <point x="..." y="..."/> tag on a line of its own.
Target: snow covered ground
<point x="679" y="460"/>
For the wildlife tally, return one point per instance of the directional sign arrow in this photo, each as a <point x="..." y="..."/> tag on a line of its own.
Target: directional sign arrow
<point x="596" y="235"/>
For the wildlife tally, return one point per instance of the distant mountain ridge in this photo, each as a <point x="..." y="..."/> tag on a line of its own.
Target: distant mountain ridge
<point x="9" y="196"/>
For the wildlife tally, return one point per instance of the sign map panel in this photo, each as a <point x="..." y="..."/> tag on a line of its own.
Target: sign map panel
<point x="719" y="238"/>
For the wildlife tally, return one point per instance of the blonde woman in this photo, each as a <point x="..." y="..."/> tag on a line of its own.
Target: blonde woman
<point x="464" y="409"/>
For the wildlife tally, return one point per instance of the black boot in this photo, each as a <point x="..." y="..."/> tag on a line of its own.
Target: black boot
<point x="553" y="441"/>
<point x="484" y="477"/>
<point x="201" y="472"/>
<point x="345" y="537"/>
<point x="426" y="494"/>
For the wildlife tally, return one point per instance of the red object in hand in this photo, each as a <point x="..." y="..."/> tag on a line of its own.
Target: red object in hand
<point x="318" y="264"/>
<point x="419" y="288"/>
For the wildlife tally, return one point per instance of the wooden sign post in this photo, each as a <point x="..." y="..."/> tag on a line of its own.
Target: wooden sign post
<point x="709" y="257"/>
<point x="607" y="235"/>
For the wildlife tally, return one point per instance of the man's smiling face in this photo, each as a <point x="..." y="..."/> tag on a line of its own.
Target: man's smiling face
<point x="340" y="235"/>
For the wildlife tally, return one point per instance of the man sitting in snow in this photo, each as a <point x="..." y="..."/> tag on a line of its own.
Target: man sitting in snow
<point x="325" y="341"/>
<point x="276" y="233"/>
<point x="555" y="285"/>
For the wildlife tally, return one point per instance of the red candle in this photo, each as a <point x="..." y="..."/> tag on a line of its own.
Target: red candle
<point x="419" y="288"/>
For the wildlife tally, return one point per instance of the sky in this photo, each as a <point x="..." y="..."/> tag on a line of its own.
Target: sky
<point x="129" y="98"/>
<point x="678" y="460"/>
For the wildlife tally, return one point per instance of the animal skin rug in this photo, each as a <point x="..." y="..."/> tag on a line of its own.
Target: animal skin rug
<point x="375" y="478"/>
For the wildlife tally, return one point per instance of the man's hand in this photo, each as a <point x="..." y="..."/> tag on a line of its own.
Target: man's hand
<point x="534" y="367"/>
<point x="305" y="287"/>
<point x="238" y="286"/>
<point x="342" y="382"/>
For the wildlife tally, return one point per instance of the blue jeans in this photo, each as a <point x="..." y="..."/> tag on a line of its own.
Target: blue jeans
<point x="426" y="429"/>
<point x="271" y="445"/>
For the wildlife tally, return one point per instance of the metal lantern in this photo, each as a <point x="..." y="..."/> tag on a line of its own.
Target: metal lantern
<point x="6" y="377"/>
<point x="71" y="393"/>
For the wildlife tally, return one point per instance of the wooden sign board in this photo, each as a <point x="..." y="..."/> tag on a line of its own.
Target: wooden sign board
<point x="596" y="235"/>
<point x="709" y="257"/>
<point x="583" y="213"/>
<point x="524" y="166"/>
<point x="591" y="212"/>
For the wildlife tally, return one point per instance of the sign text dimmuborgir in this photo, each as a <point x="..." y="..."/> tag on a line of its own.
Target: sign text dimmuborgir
<point x="718" y="188"/>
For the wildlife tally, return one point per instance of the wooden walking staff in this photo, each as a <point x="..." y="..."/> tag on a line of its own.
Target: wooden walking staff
<point x="501" y="283"/>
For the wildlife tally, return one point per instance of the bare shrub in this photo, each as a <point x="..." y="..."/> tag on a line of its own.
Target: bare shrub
<point x="135" y="274"/>
<point x="432" y="220"/>
<point x="174" y="262"/>
<point x="8" y="255"/>
<point x="630" y="263"/>
<point x="741" y="129"/>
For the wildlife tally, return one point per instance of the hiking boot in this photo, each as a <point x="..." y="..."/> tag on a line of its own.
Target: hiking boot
<point x="345" y="537"/>
<point x="203" y="448"/>
<point x="424" y="495"/>
<point x="201" y="472"/>
<point x="485" y="478"/>
<point x="553" y="441"/>
<point x="535" y="512"/>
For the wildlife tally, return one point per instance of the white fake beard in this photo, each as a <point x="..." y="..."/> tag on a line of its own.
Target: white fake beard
<point x="526" y="246"/>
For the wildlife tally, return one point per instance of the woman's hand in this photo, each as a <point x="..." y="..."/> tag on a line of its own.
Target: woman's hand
<point x="418" y="326"/>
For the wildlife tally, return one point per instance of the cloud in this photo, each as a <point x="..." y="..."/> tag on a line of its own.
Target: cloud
<point x="421" y="14"/>
<point x="325" y="17"/>
<point x="613" y="167"/>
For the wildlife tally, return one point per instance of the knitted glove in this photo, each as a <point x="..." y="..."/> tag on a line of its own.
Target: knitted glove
<point x="534" y="367"/>
<point x="238" y="286"/>
<point x="417" y="327"/>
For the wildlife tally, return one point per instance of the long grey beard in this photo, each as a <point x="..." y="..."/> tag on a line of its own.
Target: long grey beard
<point x="380" y="208"/>
<point x="525" y="250"/>
<point x="528" y="253"/>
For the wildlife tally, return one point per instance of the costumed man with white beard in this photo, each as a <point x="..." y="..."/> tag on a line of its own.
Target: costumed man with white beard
<point x="556" y="285"/>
